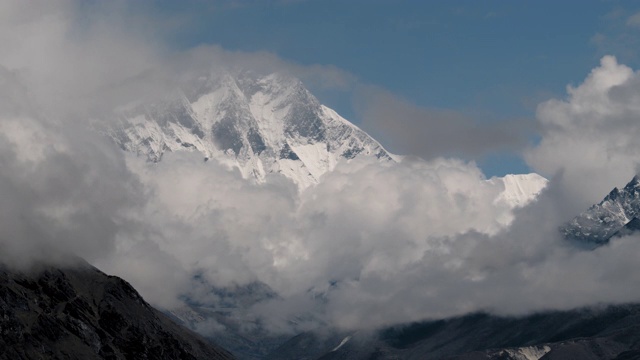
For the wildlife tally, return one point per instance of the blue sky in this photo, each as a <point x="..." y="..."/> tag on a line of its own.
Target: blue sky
<point x="490" y="60"/>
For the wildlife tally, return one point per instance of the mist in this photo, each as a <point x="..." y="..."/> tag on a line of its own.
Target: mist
<point x="373" y="244"/>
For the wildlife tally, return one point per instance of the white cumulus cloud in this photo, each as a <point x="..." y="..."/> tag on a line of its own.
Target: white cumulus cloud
<point x="591" y="136"/>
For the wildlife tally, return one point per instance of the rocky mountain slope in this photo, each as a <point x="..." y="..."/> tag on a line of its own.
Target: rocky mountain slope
<point x="603" y="220"/>
<point x="78" y="312"/>
<point x="603" y="333"/>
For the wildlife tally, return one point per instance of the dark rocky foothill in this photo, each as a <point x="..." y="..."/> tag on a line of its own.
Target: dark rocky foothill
<point x="78" y="312"/>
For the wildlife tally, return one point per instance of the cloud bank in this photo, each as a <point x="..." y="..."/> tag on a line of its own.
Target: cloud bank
<point x="591" y="136"/>
<point x="373" y="244"/>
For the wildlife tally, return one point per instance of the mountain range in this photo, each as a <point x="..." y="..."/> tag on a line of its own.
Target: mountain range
<point x="77" y="312"/>
<point x="592" y="333"/>
<point x="261" y="125"/>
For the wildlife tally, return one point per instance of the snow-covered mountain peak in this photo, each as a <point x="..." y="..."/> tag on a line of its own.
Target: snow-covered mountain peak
<point x="603" y="220"/>
<point x="519" y="189"/>
<point x="263" y="124"/>
<point x="260" y="124"/>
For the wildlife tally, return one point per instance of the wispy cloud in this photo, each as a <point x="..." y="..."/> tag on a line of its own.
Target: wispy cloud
<point x="634" y="20"/>
<point x="429" y="133"/>
<point x="618" y="34"/>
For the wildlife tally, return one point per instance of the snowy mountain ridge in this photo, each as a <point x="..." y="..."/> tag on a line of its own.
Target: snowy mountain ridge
<point x="603" y="220"/>
<point x="259" y="124"/>
<point x="263" y="124"/>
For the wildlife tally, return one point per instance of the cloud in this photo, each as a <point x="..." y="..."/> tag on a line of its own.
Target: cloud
<point x="373" y="244"/>
<point x="428" y="133"/>
<point x="591" y="136"/>
<point x="598" y="39"/>
<point x="233" y="231"/>
<point x="74" y="57"/>
<point x="524" y="269"/>
<point x="63" y="190"/>
<point x="634" y="20"/>
<point x="404" y="242"/>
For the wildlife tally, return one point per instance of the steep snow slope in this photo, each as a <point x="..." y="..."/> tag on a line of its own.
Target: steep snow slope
<point x="259" y="124"/>
<point x="519" y="190"/>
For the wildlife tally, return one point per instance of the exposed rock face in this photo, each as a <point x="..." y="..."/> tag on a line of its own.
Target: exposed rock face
<point x="79" y="312"/>
<point x="603" y="220"/>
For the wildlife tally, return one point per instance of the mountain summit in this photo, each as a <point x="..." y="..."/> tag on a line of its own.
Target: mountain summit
<point x="259" y="124"/>
<point x="607" y="218"/>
